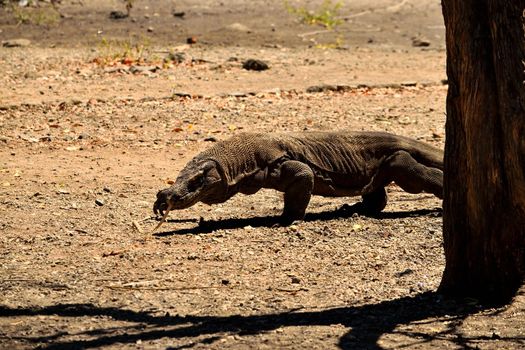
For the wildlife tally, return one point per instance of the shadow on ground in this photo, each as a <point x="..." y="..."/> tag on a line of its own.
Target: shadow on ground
<point x="366" y="324"/>
<point x="270" y="221"/>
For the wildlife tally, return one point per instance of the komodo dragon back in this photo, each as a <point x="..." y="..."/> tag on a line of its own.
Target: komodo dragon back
<point x="345" y="151"/>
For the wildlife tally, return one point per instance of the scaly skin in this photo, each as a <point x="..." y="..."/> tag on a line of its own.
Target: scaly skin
<point x="330" y="164"/>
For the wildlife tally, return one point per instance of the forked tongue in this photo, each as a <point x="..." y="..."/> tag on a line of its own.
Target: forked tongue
<point x="163" y="219"/>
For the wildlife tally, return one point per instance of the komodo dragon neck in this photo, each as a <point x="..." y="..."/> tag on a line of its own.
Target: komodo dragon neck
<point x="242" y="156"/>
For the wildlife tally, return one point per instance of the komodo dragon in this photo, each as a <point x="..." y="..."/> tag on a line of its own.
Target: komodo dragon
<point x="330" y="164"/>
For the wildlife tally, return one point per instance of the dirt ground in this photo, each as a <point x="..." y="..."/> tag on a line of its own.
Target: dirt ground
<point x="98" y="114"/>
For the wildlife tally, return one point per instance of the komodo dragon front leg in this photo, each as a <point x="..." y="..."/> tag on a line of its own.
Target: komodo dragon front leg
<point x="296" y="180"/>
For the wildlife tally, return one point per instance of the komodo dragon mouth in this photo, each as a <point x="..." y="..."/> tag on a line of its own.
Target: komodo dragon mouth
<point x="198" y="182"/>
<point x="166" y="203"/>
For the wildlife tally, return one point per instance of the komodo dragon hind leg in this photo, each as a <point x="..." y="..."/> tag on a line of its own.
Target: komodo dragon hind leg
<point x="373" y="202"/>
<point x="296" y="180"/>
<point x="409" y="174"/>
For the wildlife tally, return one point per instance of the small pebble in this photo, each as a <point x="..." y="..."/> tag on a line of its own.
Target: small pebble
<point x="256" y="65"/>
<point x="99" y="202"/>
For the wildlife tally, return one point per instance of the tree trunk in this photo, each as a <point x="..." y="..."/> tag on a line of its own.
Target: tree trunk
<point x="484" y="184"/>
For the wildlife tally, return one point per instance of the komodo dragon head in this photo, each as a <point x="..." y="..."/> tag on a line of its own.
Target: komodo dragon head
<point x="199" y="181"/>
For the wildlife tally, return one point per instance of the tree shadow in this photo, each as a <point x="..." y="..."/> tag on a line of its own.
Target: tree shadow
<point x="366" y="323"/>
<point x="345" y="211"/>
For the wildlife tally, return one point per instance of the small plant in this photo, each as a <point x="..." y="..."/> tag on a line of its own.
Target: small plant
<point x="337" y="44"/>
<point x="112" y="51"/>
<point x="325" y="15"/>
<point x="47" y="15"/>
<point x="129" y="6"/>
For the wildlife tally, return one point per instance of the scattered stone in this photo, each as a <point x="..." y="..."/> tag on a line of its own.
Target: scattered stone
<point x="237" y="94"/>
<point x="29" y="138"/>
<point x="225" y="282"/>
<point x="275" y="91"/>
<point x="16" y="43"/>
<point x="84" y="136"/>
<point x="253" y="64"/>
<point x="191" y="40"/>
<point x="211" y="139"/>
<point x="150" y="29"/>
<point x="328" y="87"/>
<point x="238" y="27"/>
<point x="296" y="280"/>
<point x="45" y="138"/>
<point x="404" y="273"/>
<point x="121" y="69"/>
<point x="179" y="14"/>
<point x="30" y="75"/>
<point x="177" y="57"/>
<point x="118" y="15"/>
<point x="143" y="69"/>
<point x="272" y="46"/>
<point x="107" y="189"/>
<point x="181" y="94"/>
<point x="99" y="202"/>
<point x="416" y="42"/>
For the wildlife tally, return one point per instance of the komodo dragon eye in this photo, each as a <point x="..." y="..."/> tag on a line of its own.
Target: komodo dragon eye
<point x="195" y="183"/>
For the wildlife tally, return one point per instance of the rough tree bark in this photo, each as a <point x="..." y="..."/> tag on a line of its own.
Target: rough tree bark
<point x="484" y="200"/>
